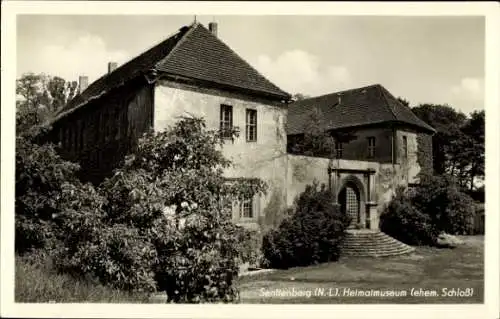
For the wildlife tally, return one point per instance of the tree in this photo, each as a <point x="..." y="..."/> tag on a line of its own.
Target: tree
<point x="300" y="97"/>
<point x="39" y="97"/>
<point x="166" y="223"/>
<point x="474" y="132"/>
<point x="41" y="174"/>
<point x="403" y="101"/>
<point x="317" y="140"/>
<point x="458" y="145"/>
<point x="448" y="141"/>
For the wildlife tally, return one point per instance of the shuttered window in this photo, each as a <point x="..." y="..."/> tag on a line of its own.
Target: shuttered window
<point x="226" y="121"/>
<point x="405" y="147"/>
<point x="251" y="125"/>
<point x="339" y="149"/>
<point x="371" y="146"/>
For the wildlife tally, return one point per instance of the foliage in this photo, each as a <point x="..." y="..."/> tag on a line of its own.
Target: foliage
<point x="249" y="246"/>
<point x="403" y="101"/>
<point x="37" y="280"/>
<point x="164" y="219"/>
<point x="40" y="175"/>
<point x="405" y="222"/>
<point x="435" y="206"/>
<point x="450" y="209"/>
<point x="39" y="97"/>
<point x="458" y="145"/>
<point x="475" y="147"/>
<point x="316" y="141"/>
<point x="300" y="97"/>
<point x="312" y="234"/>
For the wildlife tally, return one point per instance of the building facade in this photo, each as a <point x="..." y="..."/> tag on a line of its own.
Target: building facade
<point x="181" y="76"/>
<point x="377" y="144"/>
<point x="194" y="73"/>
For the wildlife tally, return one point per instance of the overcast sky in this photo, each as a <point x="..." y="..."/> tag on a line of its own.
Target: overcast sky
<point x="423" y="59"/>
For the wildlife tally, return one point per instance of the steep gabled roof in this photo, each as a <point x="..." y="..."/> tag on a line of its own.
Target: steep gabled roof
<point x="362" y="106"/>
<point x="193" y="52"/>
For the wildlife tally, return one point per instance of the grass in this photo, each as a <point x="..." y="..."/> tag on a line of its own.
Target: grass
<point x="37" y="281"/>
<point x="428" y="269"/>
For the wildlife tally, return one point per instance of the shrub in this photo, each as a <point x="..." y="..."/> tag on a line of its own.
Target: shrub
<point x="403" y="221"/>
<point x="249" y="243"/>
<point x="312" y="234"/>
<point x="450" y="209"/>
<point x="436" y="205"/>
<point x="164" y="221"/>
<point x="40" y="175"/>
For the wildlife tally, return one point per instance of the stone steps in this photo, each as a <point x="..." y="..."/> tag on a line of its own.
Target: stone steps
<point x="368" y="243"/>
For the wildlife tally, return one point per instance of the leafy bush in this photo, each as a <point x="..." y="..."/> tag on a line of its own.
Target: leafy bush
<point x="312" y="234"/>
<point x="164" y="220"/>
<point x="403" y="221"/>
<point x="435" y="206"/>
<point x="450" y="209"/>
<point x="249" y="245"/>
<point x="40" y="175"/>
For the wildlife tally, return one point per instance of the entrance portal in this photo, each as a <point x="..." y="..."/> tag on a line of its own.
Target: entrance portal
<point x="349" y="200"/>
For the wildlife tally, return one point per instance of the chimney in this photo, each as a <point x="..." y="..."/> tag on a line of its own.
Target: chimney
<point x="212" y="26"/>
<point x="112" y="66"/>
<point x="83" y="82"/>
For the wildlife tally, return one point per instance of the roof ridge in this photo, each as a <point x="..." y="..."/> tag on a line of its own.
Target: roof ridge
<point x="102" y="77"/>
<point x="401" y="105"/>
<point x="381" y="90"/>
<point x="338" y="92"/>
<point x="247" y="64"/>
<point x="199" y="26"/>
<point x="192" y="27"/>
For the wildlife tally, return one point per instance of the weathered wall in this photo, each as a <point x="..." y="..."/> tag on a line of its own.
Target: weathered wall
<point x="408" y="164"/>
<point x="357" y="149"/>
<point x="101" y="133"/>
<point x="424" y="155"/>
<point x="303" y="170"/>
<point x="264" y="158"/>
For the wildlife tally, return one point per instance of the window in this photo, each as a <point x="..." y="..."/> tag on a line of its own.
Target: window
<point x="226" y="121"/>
<point x="405" y="147"/>
<point x="251" y="125"/>
<point x="339" y="148"/>
<point x="247" y="209"/>
<point x="371" y="146"/>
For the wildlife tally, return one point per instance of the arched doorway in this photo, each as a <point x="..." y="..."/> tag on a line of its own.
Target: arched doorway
<point x="350" y="203"/>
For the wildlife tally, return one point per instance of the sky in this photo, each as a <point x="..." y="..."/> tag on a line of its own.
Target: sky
<point x="422" y="59"/>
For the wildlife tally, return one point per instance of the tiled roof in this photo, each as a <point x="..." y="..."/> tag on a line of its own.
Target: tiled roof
<point x="362" y="106"/>
<point x="203" y="56"/>
<point x="192" y="52"/>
